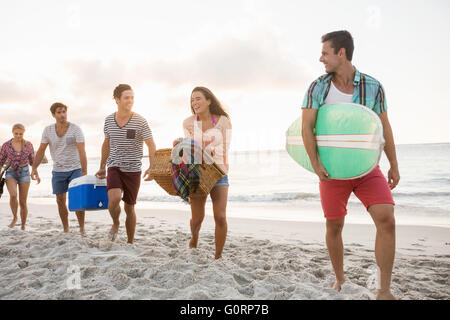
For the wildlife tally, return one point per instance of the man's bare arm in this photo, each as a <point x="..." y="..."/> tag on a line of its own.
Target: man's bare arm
<point x="39" y="155"/>
<point x="151" y="157"/>
<point x="83" y="157"/>
<point x="101" y="173"/>
<point x="309" y="117"/>
<point x="389" y="149"/>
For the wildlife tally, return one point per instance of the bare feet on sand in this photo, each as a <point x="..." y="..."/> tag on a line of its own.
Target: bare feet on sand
<point x="338" y="285"/>
<point x="194" y="241"/>
<point x="13" y="222"/>
<point x="385" y="295"/>
<point x="113" y="232"/>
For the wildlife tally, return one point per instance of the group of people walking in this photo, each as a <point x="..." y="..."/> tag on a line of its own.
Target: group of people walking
<point x="126" y="131"/>
<point x="122" y="152"/>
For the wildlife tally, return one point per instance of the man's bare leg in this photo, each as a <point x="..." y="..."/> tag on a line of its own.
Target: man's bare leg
<point x="114" y="197"/>
<point x="63" y="212"/>
<point x="130" y="222"/>
<point x="383" y="216"/>
<point x="336" y="249"/>
<point x="80" y="217"/>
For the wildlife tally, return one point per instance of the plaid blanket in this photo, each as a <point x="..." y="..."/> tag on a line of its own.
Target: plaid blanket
<point x="3" y="170"/>
<point x="186" y="175"/>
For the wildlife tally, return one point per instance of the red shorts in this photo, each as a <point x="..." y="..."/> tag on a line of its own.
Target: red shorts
<point x="129" y="182"/>
<point x="370" y="189"/>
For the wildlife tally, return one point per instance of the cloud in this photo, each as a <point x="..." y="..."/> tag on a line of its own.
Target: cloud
<point x="257" y="62"/>
<point x="96" y="78"/>
<point x="246" y="65"/>
<point x="13" y="92"/>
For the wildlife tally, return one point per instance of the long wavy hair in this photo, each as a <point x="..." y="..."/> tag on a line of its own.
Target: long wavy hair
<point x="215" y="107"/>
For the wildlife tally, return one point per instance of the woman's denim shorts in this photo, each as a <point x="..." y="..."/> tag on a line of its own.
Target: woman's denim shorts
<point x="22" y="177"/>
<point x="222" y="182"/>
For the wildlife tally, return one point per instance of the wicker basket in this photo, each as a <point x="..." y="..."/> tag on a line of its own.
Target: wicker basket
<point x="161" y="172"/>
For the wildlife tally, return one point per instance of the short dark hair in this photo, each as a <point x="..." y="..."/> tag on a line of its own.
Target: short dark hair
<point x="340" y="39"/>
<point x="119" y="89"/>
<point x="57" y="105"/>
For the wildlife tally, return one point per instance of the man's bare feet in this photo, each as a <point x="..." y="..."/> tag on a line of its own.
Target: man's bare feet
<point x="113" y="232"/>
<point x="193" y="243"/>
<point x="385" y="295"/>
<point x="13" y="222"/>
<point x="338" y="285"/>
<point x="82" y="232"/>
<point x="22" y="227"/>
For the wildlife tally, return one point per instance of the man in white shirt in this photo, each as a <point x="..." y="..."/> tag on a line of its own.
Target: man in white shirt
<point x="67" y="149"/>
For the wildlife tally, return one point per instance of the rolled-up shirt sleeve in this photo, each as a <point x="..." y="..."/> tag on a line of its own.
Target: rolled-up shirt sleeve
<point x="380" y="101"/>
<point x="3" y="155"/>
<point x="31" y="154"/>
<point x="311" y="99"/>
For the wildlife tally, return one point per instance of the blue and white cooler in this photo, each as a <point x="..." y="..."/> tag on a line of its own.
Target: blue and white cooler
<point x="88" y="193"/>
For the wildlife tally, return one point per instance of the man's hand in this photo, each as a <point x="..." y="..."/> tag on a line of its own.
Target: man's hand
<point x="35" y="175"/>
<point x="321" y="172"/>
<point x="393" y="177"/>
<point x="147" y="174"/>
<point x="101" y="174"/>
<point x="83" y="172"/>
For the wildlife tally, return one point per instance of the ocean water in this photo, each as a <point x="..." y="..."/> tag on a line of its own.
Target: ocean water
<point x="270" y="185"/>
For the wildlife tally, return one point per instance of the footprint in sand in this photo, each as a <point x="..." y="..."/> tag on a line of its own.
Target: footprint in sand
<point x="120" y="281"/>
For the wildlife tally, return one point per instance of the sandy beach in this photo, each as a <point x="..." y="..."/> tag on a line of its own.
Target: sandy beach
<point x="262" y="259"/>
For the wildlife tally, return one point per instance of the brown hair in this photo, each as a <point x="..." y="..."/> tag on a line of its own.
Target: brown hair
<point x="215" y="107"/>
<point x="340" y="39"/>
<point x="119" y="89"/>
<point x="57" y="105"/>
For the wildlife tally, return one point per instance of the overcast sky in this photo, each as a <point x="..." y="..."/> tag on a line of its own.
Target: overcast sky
<point x="258" y="57"/>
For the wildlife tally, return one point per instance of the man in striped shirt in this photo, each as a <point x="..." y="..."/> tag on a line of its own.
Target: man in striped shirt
<point x="122" y="150"/>
<point x="343" y="83"/>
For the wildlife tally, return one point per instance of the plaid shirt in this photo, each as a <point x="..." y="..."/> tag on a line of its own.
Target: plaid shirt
<point x="8" y="154"/>
<point x="368" y="92"/>
<point x="186" y="176"/>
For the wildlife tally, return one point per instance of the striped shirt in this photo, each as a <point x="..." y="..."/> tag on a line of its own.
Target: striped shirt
<point x="126" y="143"/>
<point x="64" y="149"/>
<point x="368" y="92"/>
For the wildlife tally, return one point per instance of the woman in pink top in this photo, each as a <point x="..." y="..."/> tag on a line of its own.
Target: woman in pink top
<point x="18" y="153"/>
<point x="210" y="125"/>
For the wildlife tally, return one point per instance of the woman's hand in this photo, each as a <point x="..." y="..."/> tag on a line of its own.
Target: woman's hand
<point x="177" y="141"/>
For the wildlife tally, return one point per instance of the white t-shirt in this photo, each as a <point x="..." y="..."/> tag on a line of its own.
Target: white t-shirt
<point x="335" y="96"/>
<point x="63" y="149"/>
